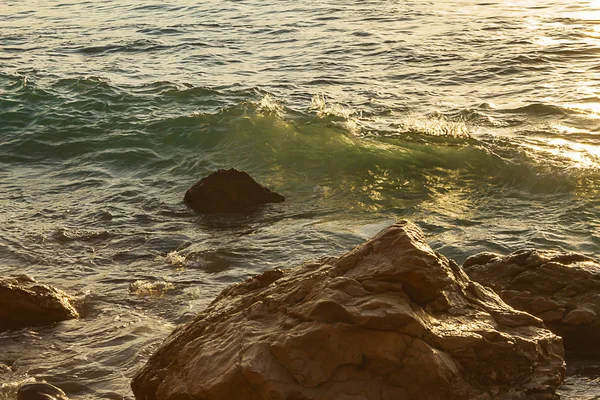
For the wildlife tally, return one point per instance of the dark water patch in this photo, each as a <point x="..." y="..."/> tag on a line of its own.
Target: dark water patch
<point x="149" y="7"/>
<point x="87" y="184"/>
<point x="214" y="261"/>
<point x="159" y="88"/>
<point x="91" y="86"/>
<point x="50" y="151"/>
<point x="160" y="31"/>
<point x="133" y="255"/>
<point x="326" y="81"/>
<point x="99" y="49"/>
<point x="573" y="21"/>
<point x="195" y="44"/>
<point x="327" y="18"/>
<point x="538" y="109"/>
<point x="138" y="46"/>
<point x="21" y="49"/>
<point x="581" y="52"/>
<point x="472" y="116"/>
<point x="126" y="157"/>
<point x="25" y="89"/>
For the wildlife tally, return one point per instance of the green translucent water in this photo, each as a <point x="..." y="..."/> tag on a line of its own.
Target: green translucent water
<point x="479" y="121"/>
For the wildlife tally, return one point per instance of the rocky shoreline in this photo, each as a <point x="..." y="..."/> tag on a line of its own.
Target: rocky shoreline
<point x="391" y="319"/>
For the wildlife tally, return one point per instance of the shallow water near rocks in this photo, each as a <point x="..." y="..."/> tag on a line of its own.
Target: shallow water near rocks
<point x="479" y="121"/>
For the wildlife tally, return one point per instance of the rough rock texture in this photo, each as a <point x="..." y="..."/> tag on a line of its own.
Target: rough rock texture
<point x="24" y="302"/>
<point x="40" y="391"/>
<point x="563" y="289"/>
<point x="389" y="320"/>
<point x="228" y="191"/>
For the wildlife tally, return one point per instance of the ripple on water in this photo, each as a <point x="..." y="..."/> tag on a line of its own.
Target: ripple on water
<point x="94" y="357"/>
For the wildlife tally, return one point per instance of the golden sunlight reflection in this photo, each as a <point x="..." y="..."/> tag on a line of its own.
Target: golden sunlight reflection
<point x="545" y="41"/>
<point x="587" y="186"/>
<point x="568" y="130"/>
<point x="590" y="108"/>
<point x="450" y="201"/>
<point x="579" y="155"/>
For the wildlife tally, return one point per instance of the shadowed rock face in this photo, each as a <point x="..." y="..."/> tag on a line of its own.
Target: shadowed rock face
<point x="228" y="191"/>
<point x="391" y="319"/>
<point x="563" y="289"/>
<point x="24" y="302"/>
<point x="40" y="391"/>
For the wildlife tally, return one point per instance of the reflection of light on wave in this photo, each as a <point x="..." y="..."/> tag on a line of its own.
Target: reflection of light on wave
<point x="581" y="155"/>
<point x="592" y="108"/>
<point x="567" y="130"/>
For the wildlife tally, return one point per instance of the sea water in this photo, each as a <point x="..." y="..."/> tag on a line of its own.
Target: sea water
<point x="478" y="120"/>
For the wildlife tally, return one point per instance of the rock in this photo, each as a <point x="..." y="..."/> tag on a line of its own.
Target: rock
<point x="40" y="391"/>
<point x="563" y="289"/>
<point x="391" y="319"/>
<point x="24" y="302"/>
<point x="228" y="191"/>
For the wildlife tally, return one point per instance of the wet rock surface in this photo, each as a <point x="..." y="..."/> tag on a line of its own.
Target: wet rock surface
<point x="40" y="391"/>
<point x="228" y="191"/>
<point x="563" y="289"/>
<point x="25" y="302"/>
<point x="391" y="319"/>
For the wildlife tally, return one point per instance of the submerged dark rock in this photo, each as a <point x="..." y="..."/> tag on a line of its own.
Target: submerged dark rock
<point x="24" y="302"/>
<point x="228" y="191"/>
<point x="40" y="391"/>
<point x="563" y="289"/>
<point x="391" y="319"/>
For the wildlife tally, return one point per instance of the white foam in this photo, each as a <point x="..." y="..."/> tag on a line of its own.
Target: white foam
<point x="147" y="288"/>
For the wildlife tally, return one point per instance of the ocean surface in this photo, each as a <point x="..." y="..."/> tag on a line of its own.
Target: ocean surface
<point x="478" y="120"/>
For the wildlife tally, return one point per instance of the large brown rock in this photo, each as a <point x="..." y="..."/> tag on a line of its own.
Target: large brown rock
<point x="24" y="302"/>
<point x="391" y="319"/>
<point x="563" y="289"/>
<point x="228" y="191"/>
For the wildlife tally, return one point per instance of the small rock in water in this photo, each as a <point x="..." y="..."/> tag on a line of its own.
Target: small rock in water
<point x="228" y="191"/>
<point x="24" y="302"/>
<point x="40" y="391"/>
